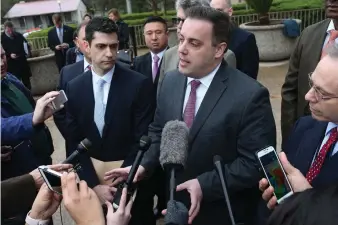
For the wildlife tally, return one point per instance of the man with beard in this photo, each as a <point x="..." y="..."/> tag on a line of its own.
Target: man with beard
<point x="309" y="49"/>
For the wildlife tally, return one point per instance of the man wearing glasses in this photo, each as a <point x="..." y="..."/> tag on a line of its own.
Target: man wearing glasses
<point x="312" y="145"/>
<point x="171" y="59"/>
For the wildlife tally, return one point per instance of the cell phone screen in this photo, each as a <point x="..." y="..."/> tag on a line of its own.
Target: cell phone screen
<point x="54" y="181"/>
<point x="275" y="174"/>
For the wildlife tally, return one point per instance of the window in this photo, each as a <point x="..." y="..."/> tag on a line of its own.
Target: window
<point x="37" y="21"/>
<point x="68" y="16"/>
<point x="22" y="22"/>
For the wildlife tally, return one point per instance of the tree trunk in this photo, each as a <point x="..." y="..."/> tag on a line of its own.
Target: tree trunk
<point x="264" y="19"/>
<point x="129" y="8"/>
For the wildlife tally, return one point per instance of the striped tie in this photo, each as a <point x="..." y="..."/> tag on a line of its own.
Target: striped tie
<point x="189" y="111"/>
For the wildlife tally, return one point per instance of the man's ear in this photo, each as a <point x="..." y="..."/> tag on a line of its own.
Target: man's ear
<point x="220" y="50"/>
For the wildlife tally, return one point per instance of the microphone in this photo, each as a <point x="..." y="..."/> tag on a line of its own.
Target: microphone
<point x="145" y="143"/>
<point x="83" y="147"/>
<point x="174" y="150"/>
<point x="220" y="171"/>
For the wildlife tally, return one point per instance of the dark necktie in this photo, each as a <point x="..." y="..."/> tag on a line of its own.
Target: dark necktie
<point x="189" y="111"/>
<point x="319" y="161"/>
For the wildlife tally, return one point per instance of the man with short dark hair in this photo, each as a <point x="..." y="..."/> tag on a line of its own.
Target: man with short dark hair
<point x="13" y="44"/>
<point x="110" y="105"/>
<point x="60" y="39"/>
<point x="228" y="113"/>
<point x="123" y="29"/>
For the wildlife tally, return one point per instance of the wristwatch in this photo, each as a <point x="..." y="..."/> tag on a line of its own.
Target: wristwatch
<point x="31" y="221"/>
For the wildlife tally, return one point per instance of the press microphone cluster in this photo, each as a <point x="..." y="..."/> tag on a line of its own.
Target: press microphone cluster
<point x="144" y="145"/>
<point x="173" y="157"/>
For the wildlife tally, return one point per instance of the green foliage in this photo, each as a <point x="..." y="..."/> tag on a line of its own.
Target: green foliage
<point x="260" y="6"/>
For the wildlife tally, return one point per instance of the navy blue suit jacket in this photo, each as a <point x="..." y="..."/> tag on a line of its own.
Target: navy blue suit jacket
<point x="302" y="146"/>
<point x="127" y="117"/>
<point x="243" y="44"/>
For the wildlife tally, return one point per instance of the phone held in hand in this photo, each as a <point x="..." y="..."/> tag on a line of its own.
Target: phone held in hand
<point x="59" y="101"/>
<point x="51" y="178"/>
<point x="275" y="173"/>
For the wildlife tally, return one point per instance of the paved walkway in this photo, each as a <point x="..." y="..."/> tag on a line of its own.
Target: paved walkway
<point x="270" y="75"/>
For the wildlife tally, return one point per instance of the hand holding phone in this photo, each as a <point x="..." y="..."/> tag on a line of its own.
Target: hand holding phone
<point x="275" y="173"/>
<point x="59" y="101"/>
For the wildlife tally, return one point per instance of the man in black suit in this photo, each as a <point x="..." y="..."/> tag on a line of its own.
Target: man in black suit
<point x="242" y="43"/>
<point x="156" y="38"/>
<point x="229" y="114"/>
<point x="67" y="74"/>
<point x="60" y="38"/>
<point x="110" y="106"/>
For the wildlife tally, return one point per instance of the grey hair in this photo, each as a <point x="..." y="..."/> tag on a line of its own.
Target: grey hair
<point x="185" y="4"/>
<point x="332" y="50"/>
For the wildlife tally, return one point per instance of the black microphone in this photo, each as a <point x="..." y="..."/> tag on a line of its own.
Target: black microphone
<point x="83" y="147"/>
<point x="145" y="143"/>
<point x="220" y="171"/>
<point x="174" y="150"/>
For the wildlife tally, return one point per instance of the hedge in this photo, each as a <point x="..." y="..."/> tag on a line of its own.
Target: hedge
<point x="239" y="9"/>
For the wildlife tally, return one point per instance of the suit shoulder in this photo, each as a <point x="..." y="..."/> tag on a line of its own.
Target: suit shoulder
<point x="306" y="122"/>
<point x="171" y="51"/>
<point x="315" y="26"/>
<point x="129" y="72"/>
<point x="240" y="79"/>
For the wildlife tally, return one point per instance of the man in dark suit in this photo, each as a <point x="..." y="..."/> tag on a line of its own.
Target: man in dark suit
<point x="110" y="106"/>
<point x="312" y="145"/>
<point x="228" y="113"/>
<point x="60" y="38"/>
<point x="242" y="43"/>
<point x="304" y="59"/>
<point x="156" y="38"/>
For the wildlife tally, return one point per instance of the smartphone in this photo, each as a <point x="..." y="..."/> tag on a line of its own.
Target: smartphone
<point x="51" y="178"/>
<point x="275" y="173"/>
<point x="59" y="100"/>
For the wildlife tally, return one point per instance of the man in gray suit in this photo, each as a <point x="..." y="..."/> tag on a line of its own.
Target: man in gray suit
<point x="171" y="57"/>
<point x="228" y="113"/>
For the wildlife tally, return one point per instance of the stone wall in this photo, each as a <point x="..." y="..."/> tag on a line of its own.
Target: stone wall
<point x="45" y="74"/>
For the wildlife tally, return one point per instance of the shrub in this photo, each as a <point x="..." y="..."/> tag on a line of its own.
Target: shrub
<point x="44" y="32"/>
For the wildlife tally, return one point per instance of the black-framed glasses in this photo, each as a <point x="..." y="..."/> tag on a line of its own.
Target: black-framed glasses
<point x="318" y="95"/>
<point x="177" y="20"/>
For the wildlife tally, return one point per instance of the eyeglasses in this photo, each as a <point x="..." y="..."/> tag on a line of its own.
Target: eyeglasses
<point x="177" y="20"/>
<point x="318" y="95"/>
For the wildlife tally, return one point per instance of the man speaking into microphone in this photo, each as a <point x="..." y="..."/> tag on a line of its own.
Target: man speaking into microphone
<point x="228" y="113"/>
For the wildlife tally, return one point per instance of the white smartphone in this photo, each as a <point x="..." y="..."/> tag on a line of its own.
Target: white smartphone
<point x="59" y="100"/>
<point x="275" y="173"/>
<point x="51" y="178"/>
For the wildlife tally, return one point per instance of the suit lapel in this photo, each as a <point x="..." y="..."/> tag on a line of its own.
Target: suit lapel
<point x="115" y="93"/>
<point x="177" y="97"/>
<point x="318" y="38"/>
<point x="215" y="91"/>
<point x="311" y="141"/>
<point x="56" y="35"/>
<point x="88" y="98"/>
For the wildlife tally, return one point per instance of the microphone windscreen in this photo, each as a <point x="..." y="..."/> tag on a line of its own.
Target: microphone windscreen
<point x="177" y="213"/>
<point x="84" y="145"/>
<point x="174" y="143"/>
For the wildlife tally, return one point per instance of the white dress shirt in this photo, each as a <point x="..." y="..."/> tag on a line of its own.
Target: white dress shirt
<point x="201" y="90"/>
<point x="329" y="28"/>
<point x="85" y="64"/>
<point x="107" y="77"/>
<point x="59" y="31"/>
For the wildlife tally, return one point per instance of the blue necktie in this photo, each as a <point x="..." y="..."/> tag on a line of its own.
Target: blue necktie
<point x="100" y="107"/>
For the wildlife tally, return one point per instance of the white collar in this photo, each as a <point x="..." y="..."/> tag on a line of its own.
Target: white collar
<point x="107" y="77"/>
<point x="206" y="81"/>
<point x="330" y="126"/>
<point x="85" y="63"/>
<point x="160" y="54"/>
<point x="330" y="27"/>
